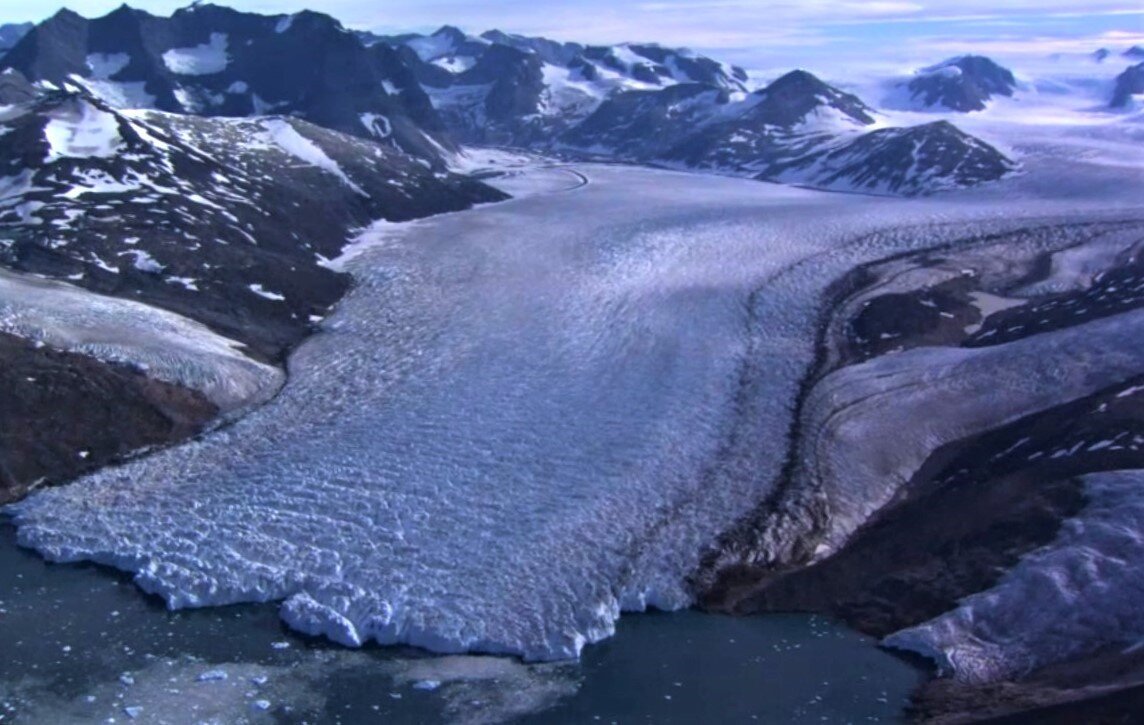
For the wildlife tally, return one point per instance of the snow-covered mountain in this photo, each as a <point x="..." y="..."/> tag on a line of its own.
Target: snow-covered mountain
<point x="213" y="61"/>
<point x="513" y="89"/>
<point x="647" y="103"/>
<point x="908" y="161"/>
<point x="225" y="221"/>
<point x="424" y="94"/>
<point x="797" y="130"/>
<point x="963" y="84"/>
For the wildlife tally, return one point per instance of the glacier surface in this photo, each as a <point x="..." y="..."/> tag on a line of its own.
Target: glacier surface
<point x="524" y="419"/>
<point x="168" y="346"/>
<point x="1086" y="586"/>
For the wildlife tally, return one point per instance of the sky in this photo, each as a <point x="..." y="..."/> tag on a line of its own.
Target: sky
<point x="748" y="32"/>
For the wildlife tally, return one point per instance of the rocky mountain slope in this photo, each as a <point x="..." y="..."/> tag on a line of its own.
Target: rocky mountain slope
<point x="796" y="130"/>
<point x="960" y="520"/>
<point x="222" y="221"/>
<point x="10" y="34"/>
<point x="963" y="84"/>
<point x="213" y="61"/>
<point x="1130" y="83"/>
<point x="425" y="93"/>
<point x="511" y="89"/>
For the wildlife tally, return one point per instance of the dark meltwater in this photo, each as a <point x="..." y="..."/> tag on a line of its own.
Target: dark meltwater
<point x="82" y="644"/>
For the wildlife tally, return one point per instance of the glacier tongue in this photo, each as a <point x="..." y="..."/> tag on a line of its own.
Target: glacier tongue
<point x="1085" y="588"/>
<point x="524" y="419"/>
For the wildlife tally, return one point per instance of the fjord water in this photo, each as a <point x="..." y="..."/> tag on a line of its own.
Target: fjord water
<point x="81" y="645"/>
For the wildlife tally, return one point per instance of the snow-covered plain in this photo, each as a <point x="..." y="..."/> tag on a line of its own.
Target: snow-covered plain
<point x="523" y="420"/>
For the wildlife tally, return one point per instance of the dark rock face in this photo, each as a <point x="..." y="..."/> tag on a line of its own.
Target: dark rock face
<point x="11" y="33"/>
<point x="970" y="517"/>
<point x="15" y="88"/>
<point x="173" y="210"/>
<point x="63" y="414"/>
<point x="1135" y="53"/>
<point x="1128" y="84"/>
<point x="642" y="125"/>
<point x="550" y="51"/>
<point x="515" y="81"/>
<point x="213" y="61"/>
<point x="962" y="84"/>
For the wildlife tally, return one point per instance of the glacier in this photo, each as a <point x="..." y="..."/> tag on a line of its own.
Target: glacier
<point x="523" y="420"/>
<point x="168" y="346"/>
<point x="1087" y="586"/>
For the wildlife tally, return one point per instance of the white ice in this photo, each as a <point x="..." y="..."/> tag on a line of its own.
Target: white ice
<point x="1070" y="598"/>
<point x="105" y="65"/>
<point x="201" y="60"/>
<point x="167" y="346"/>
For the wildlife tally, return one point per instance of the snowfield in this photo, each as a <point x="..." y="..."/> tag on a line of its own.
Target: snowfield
<point x="201" y="60"/>
<point x="524" y="419"/>
<point x="169" y="347"/>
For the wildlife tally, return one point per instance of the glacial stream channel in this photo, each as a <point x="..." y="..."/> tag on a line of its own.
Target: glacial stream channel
<point x="522" y="421"/>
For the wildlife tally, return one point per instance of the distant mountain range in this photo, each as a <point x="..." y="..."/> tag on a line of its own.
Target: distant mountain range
<point x="213" y="61"/>
<point x="673" y="107"/>
<point x="426" y="94"/>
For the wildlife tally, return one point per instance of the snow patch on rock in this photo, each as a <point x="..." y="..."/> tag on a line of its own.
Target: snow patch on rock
<point x="84" y="132"/>
<point x="201" y="60"/>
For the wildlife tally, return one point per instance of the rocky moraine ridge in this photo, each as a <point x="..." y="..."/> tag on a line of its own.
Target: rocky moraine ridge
<point x="937" y="532"/>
